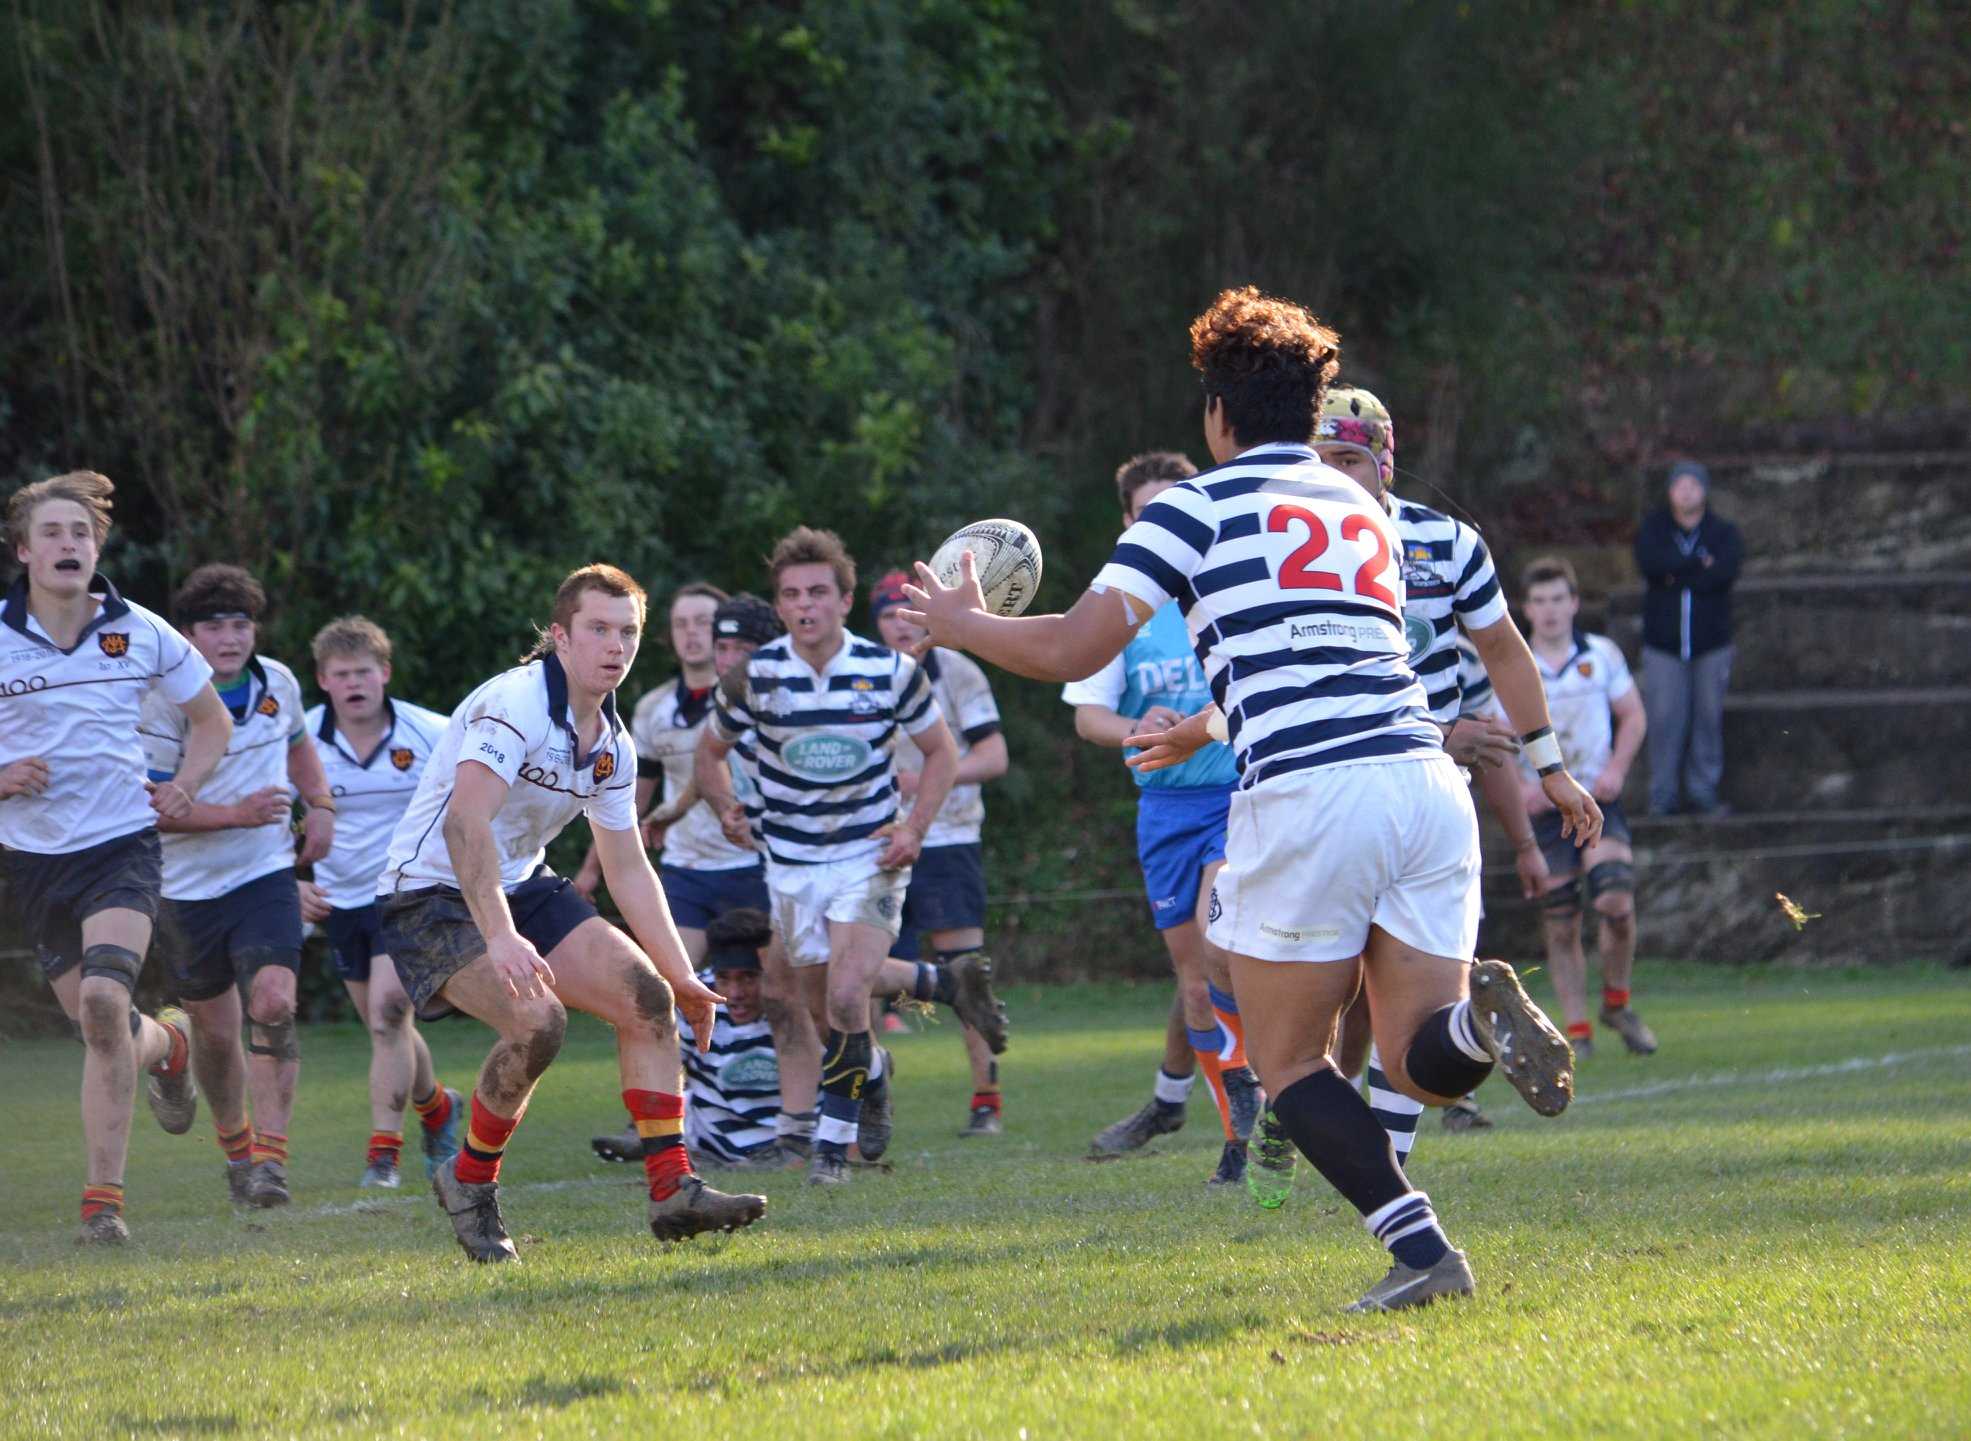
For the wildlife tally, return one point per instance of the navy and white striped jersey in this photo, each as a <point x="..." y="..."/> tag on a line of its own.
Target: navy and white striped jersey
<point x="732" y="1092"/>
<point x="1287" y="574"/>
<point x="824" y="744"/>
<point x="1474" y="683"/>
<point x="1447" y="579"/>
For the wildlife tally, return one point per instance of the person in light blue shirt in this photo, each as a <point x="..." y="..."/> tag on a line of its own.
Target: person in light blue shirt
<point x="1180" y="840"/>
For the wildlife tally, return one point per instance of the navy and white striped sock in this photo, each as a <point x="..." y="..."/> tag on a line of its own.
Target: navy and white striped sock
<point x="1408" y="1228"/>
<point x="1395" y="1112"/>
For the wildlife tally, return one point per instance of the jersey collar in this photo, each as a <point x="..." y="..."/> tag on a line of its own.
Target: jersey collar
<point x="1580" y="649"/>
<point x="325" y="732"/>
<point x="556" y="680"/>
<point x="110" y="606"/>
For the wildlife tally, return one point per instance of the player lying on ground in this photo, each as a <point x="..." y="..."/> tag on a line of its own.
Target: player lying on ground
<point x="476" y="921"/>
<point x="373" y="748"/>
<point x="1286" y="572"/>
<point x="79" y="834"/>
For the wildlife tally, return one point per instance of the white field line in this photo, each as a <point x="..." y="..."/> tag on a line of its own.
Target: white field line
<point x="1778" y="1075"/>
<point x="419" y="1194"/>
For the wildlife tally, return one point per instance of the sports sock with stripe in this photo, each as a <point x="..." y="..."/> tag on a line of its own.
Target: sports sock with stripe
<point x="1395" y="1112"/>
<point x="435" y="1109"/>
<point x="385" y="1146"/>
<point x="659" y="1119"/>
<point x="237" y="1144"/>
<point x="1446" y="1057"/>
<point x="269" y="1146"/>
<point x="844" y="1071"/>
<point x="100" y="1196"/>
<point x="486" y="1135"/>
<point x="1210" y="1047"/>
<point x="1226" y="1008"/>
<point x="1614" y="998"/>
<point x="1174" y="1090"/>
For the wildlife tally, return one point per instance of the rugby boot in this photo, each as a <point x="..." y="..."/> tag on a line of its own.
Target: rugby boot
<point x="984" y="1121"/>
<point x="173" y="1098"/>
<point x="381" y="1174"/>
<point x="1404" y="1286"/>
<point x="1231" y="1165"/>
<point x="625" y="1145"/>
<point x="1157" y="1118"/>
<point x="1464" y="1115"/>
<point x="443" y="1144"/>
<point x="1639" y="1038"/>
<point x="829" y="1166"/>
<point x="1269" y="1179"/>
<point x="266" y="1185"/>
<point x="1583" y="1046"/>
<point x="875" y="1120"/>
<point x="973" y="1001"/>
<point x="1532" y="1054"/>
<point x="695" y="1206"/>
<point x="1244" y="1099"/>
<point x="105" y="1228"/>
<point x="475" y="1211"/>
<point x="238" y="1174"/>
<point x="795" y="1149"/>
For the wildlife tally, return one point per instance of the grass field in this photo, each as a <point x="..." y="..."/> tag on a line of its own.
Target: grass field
<point x="1761" y="1231"/>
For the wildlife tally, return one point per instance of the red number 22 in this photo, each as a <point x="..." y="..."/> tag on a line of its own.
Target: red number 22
<point x="1294" y="574"/>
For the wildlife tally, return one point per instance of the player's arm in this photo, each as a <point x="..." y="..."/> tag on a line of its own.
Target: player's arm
<point x="208" y="731"/>
<point x="1040" y="647"/>
<point x="712" y="777"/>
<point x="304" y="769"/>
<point x="934" y="784"/>
<point x="589" y="877"/>
<point x="1631" y="723"/>
<point x="1719" y="568"/>
<point x="1517" y="688"/>
<point x="633" y="886"/>
<point x="987" y="760"/>
<point x="478" y="792"/>
<point x="1500" y="787"/>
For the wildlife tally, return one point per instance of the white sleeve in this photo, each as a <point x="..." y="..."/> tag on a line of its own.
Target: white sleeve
<point x="1104" y="688"/>
<point x="181" y="671"/>
<point x="287" y="690"/>
<point x="496" y="732"/>
<point x="613" y="807"/>
<point x="975" y="714"/>
<point x="1158" y="555"/>
<point x="1620" y="682"/>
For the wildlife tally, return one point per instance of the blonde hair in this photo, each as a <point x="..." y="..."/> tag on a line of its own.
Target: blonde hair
<point x="351" y="635"/>
<point x="85" y="487"/>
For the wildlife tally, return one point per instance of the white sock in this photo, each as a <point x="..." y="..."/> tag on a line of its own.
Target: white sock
<point x="1395" y="1112"/>
<point x="1174" y="1090"/>
<point x="1464" y="1037"/>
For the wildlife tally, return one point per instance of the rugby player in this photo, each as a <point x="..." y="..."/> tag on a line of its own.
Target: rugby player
<point x="373" y="749"/>
<point x="1289" y="577"/>
<point x="733" y="1087"/>
<point x="824" y="710"/>
<point x="947" y="895"/>
<point x="1599" y="718"/>
<point x="79" y="834"/>
<point x="230" y="926"/>
<point x="1180" y="843"/>
<point x="476" y="922"/>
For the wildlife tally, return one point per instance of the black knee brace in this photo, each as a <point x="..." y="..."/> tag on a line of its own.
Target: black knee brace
<point x="1609" y="877"/>
<point x="1563" y="902"/>
<point x="277" y="1039"/>
<point x="845" y="1065"/>
<point x="112" y="963"/>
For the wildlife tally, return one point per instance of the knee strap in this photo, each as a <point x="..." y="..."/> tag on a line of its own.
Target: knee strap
<point x="112" y="963"/>
<point x="1563" y="901"/>
<point x="1611" y="876"/>
<point x="278" y="1039"/>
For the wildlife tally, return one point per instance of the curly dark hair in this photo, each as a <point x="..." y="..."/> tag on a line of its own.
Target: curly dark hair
<point x="1148" y="468"/>
<point x="744" y="927"/>
<point x="217" y="590"/>
<point x="804" y="545"/>
<point x="1268" y="361"/>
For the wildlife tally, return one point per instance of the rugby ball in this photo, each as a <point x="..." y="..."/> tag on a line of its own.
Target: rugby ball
<point x="1007" y="557"/>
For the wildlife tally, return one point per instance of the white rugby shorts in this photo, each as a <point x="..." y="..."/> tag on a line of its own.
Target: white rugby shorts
<point x="852" y="892"/>
<point x="1317" y="856"/>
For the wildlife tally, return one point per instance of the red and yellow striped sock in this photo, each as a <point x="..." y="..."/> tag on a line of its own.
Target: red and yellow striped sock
<point x="659" y="1119"/>
<point x="269" y="1146"/>
<point x="1580" y="1030"/>
<point x="176" y="1057"/>
<point x="238" y="1145"/>
<point x="1613" y="999"/>
<point x="485" y="1143"/>
<point x="435" y="1109"/>
<point x="101" y="1196"/>
<point x="385" y="1146"/>
<point x="987" y="1097"/>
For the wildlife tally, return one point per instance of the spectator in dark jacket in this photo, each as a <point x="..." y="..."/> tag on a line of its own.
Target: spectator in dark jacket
<point x="1688" y="558"/>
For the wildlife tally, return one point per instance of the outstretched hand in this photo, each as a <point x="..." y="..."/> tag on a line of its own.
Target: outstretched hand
<point x="1172" y="745"/>
<point x="941" y="609"/>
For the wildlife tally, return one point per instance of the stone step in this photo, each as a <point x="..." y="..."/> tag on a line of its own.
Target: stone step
<point x="1837" y="631"/>
<point x="1829" y="749"/>
<point x="1887" y="511"/>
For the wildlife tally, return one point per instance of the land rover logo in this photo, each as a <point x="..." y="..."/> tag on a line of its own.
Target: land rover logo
<point x="1420" y="634"/>
<point x="826" y="757"/>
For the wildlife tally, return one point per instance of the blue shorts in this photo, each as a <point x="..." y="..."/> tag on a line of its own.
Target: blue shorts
<point x="1563" y="857"/>
<point x="212" y="945"/>
<point x="1179" y="831"/>
<point x="56" y="894"/>
<point x="947" y="893"/>
<point x="355" y="939"/>
<point x="697" y="898"/>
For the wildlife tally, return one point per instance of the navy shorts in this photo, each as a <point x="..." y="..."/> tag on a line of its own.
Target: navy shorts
<point x="211" y="945"/>
<point x="355" y="939"/>
<point x="1563" y="859"/>
<point x="697" y="898"/>
<point x="1179" y="831"/>
<point x="56" y="894"/>
<point x="947" y="893"/>
<point x="430" y="935"/>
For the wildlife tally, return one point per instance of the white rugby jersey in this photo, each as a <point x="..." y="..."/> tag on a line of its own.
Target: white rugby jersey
<point x="965" y="700"/>
<point x="1287" y="574"/>
<point x="666" y="725"/>
<point x="1447" y="578"/>
<point x="371" y="794"/>
<point x="824" y="744"/>
<point x="77" y="709"/>
<point x="199" y="865"/>
<point x="1579" y="694"/>
<point x="732" y="1093"/>
<point x="519" y="726"/>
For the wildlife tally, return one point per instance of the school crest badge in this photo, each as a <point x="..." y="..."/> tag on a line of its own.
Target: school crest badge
<point x="268" y="706"/>
<point x="605" y="765"/>
<point x="1587" y="669"/>
<point x="401" y="758"/>
<point x="115" y="643"/>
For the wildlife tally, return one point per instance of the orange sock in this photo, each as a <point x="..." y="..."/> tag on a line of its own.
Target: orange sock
<point x="101" y="1196"/>
<point x="485" y="1143"/>
<point x="174" y="1060"/>
<point x="1226" y="1009"/>
<point x="1614" y="1000"/>
<point x="1580" y="1030"/>
<point x="988" y="1097"/>
<point x="659" y="1118"/>
<point x="238" y="1145"/>
<point x="1214" y="1073"/>
<point x="385" y="1146"/>
<point x="269" y="1146"/>
<point x="435" y="1109"/>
